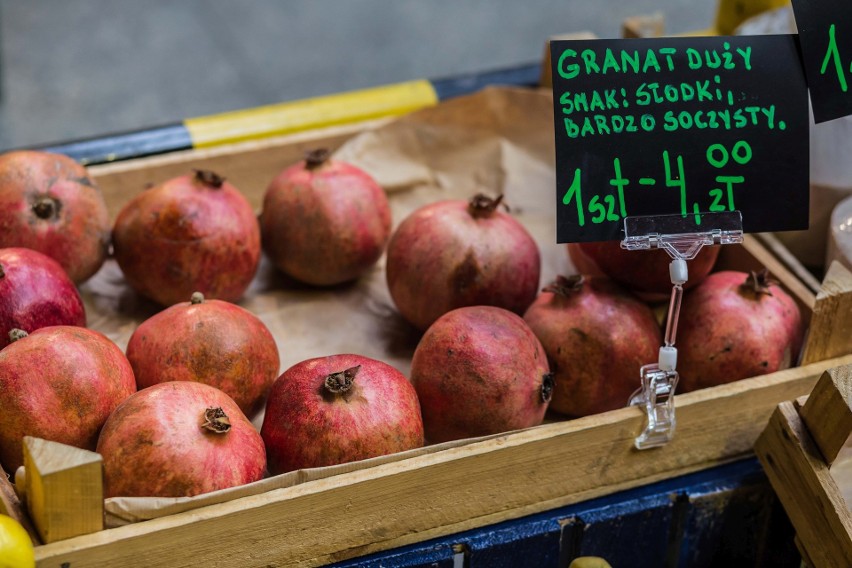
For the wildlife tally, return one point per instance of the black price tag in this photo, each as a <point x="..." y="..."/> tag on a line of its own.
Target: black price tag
<point x="825" y="32"/>
<point x="679" y="126"/>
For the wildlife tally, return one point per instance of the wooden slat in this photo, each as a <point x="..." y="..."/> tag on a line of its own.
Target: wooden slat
<point x="811" y="498"/>
<point x="793" y="264"/>
<point x="828" y="411"/>
<point x="463" y="488"/>
<point x="831" y="325"/>
<point x="250" y="166"/>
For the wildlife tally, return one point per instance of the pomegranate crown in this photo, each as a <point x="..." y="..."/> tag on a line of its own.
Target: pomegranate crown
<point x="759" y="282"/>
<point x="316" y="158"/>
<point x="341" y="382"/>
<point x="215" y="420"/>
<point x="481" y="205"/>
<point x="565" y="286"/>
<point x="208" y="178"/>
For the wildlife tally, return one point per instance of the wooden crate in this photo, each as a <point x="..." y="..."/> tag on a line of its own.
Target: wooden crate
<point x="801" y="451"/>
<point x="470" y="486"/>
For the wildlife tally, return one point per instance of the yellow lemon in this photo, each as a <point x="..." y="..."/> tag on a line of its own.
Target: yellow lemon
<point x="16" y="548"/>
<point x="589" y="562"/>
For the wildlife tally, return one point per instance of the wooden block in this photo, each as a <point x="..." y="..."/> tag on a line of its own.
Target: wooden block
<point x="653" y="25"/>
<point x="64" y="489"/>
<point x="828" y="411"/>
<point x="830" y="332"/>
<point x="546" y="79"/>
<point x="806" y="488"/>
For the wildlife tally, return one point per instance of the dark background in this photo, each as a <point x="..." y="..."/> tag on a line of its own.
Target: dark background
<point x="81" y="68"/>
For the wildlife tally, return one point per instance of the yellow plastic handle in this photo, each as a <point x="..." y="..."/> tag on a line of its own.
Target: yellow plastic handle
<point x="307" y="114"/>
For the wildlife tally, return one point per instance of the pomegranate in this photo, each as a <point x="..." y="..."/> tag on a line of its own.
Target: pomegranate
<point x="207" y="341"/>
<point x="597" y="336"/>
<point x="49" y="203"/>
<point x="193" y="232"/>
<point x="179" y="439"/>
<point x="59" y="383"/>
<point x="35" y="293"/>
<point x="736" y="325"/>
<point x="324" y="221"/>
<point x="644" y="272"/>
<point x="337" y="409"/>
<point x="480" y="370"/>
<point x="452" y="254"/>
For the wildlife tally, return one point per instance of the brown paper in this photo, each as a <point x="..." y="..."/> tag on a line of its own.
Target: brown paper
<point x="497" y="141"/>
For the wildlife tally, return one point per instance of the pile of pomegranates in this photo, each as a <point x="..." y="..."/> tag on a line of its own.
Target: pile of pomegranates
<point x="495" y="353"/>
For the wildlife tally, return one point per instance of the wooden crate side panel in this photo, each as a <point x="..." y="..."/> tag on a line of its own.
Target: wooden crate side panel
<point x="463" y="488"/>
<point x="801" y="478"/>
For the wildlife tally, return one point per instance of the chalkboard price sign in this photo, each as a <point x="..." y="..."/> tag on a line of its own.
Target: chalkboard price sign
<point x="679" y="126"/>
<point x="825" y="32"/>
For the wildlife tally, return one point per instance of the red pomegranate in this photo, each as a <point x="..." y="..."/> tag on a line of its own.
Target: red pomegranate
<point x="644" y="272"/>
<point x="35" y="292"/>
<point x="324" y="221"/>
<point x="480" y="370"/>
<point x="597" y="336"/>
<point x="179" y="439"/>
<point x="49" y="203"/>
<point x="59" y="383"/>
<point x="454" y="253"/>
<point x="338" y="409"/>
<point x="734" y="326"/>
<point x="208" y="341"/>
<point x="193" y="232"/>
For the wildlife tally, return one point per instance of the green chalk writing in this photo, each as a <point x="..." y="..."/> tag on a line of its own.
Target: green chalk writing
<point x="612" y="208"/>
<point x="833" y="54"/>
